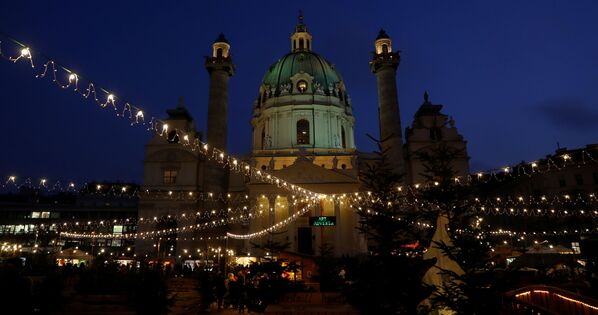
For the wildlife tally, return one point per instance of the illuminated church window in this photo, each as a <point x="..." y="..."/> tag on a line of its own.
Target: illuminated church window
<point x="169" y="177"/>
<point x="302" y="86"/>
<point x="303" y="132"/>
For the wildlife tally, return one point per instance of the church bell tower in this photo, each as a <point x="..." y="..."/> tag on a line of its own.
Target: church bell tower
<point x="384" y="65"/>
<point x="220" y="67"/>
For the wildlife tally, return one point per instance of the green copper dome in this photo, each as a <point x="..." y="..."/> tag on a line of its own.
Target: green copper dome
<point x="301" y="61"/>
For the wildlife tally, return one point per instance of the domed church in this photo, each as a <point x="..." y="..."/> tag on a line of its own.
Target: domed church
<point x="303" y="132"/>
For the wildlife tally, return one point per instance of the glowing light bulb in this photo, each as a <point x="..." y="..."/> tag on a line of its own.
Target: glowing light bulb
<point x="506" y="169"/>
<point x="72" y="77"/>
<point x="98" y="187"/>
<point x="43" y="181"/>
<point x="110" y="97"/>
<point x="12" y="178"/>
<point x="534" y="164"/>
<point x="139" y="114"/>
<point x="165" y="127"/>
<point x="25" y="52"/>
<point x="72" y="185"/>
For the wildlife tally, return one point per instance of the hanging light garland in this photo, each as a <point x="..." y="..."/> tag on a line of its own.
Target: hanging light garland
<point x="137" y="116"/>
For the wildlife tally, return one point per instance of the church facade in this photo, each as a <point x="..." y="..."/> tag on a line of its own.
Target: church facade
<point x="303" y="132"/>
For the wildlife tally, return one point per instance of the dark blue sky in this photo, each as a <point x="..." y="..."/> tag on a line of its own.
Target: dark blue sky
<point x="518" y="76"/>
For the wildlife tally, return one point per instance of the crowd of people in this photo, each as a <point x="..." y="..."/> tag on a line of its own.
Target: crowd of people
<point x="244" y="289"/>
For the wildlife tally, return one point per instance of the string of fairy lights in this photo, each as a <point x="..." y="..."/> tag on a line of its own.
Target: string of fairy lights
<point x="303" y="210"/>
<point x="572" y="159"/>
<point x="69" y="80"/>
<point x="87" y="89"/>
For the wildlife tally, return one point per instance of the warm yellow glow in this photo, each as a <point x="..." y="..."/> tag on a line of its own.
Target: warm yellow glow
<point x="523" y="293"/>
<point x="25" y="52"/>
<point x="576" y="301"/>
<point x="72" y="77"/>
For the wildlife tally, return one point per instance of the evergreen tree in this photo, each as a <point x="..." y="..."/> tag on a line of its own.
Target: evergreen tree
<point x="476" y="291"/>
<point x="388" y="281"/>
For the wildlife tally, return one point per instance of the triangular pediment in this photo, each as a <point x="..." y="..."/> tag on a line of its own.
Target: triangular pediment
<point x="304" y="171"/>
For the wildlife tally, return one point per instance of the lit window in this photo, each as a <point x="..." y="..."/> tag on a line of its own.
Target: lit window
<point x="117" y="229"/>
<point x="302" y="86"/>
<point x="45" y="215"/>
<point x="303" y="132"/>
<point x="35" y="215"/>
<point x="169" y="176"/>
<point x="575" y="247"/>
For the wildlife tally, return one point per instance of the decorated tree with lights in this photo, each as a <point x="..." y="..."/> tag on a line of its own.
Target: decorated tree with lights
<point x="388" y="281"/>
<point x="467" y="283"/>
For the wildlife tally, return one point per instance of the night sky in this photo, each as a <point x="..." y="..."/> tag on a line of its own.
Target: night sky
<point x="517" y="76"/>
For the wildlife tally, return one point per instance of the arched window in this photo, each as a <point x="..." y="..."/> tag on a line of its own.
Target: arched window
<point x="302" y="86"/>
<point x="384" y="48"/>
<point x="294" y="44"/>
<point x="303" y="131"/>
<point x="263" y="138"/>
<point x="308" y="42"/>
<point x="301" y="43"/>
<point x="264" y="96"/>
<point x="219" y="53"/>
<point x="343" y="138"/>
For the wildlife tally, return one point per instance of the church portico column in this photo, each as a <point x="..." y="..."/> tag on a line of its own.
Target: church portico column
<point x="271" y="215"/>
<point x="338" y="230"/>
<point x="292" y="233"/>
